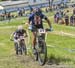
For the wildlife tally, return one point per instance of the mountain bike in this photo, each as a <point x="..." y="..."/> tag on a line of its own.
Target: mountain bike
<point x="20" y="46"/>
<point x="41" y="48"/>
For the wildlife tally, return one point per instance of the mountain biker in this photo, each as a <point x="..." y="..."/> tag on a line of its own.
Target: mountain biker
<point x="35" y="21"/>
<point x="17" y="34"/>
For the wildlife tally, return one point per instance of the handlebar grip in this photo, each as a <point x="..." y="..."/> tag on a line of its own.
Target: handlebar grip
<point x="11" y="40"/>
<point x="48" y="29"/>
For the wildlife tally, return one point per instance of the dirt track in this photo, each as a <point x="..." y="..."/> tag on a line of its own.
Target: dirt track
<point x="14" y="61"/>
<point x="30" y="63"/>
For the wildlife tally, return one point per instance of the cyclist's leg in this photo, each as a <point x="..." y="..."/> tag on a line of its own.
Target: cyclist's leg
<point x="24" y="45"/>
<point x="34" y="42"/>
<point x="34" y="29"/>
<point x="34" y="39"/>
<point x="15" y="43"/>
<point x="34" y="32"/>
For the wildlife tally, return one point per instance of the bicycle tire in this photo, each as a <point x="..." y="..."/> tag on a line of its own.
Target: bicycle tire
<point x="16" y="48"/>
<point x="25" y="49"/>
<point x="21" y="51"/>
<point x="42" y="60"/>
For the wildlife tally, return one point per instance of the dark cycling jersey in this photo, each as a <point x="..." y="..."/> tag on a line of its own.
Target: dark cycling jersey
<point x="37" y="20"/>
<point x="19" y="33"/>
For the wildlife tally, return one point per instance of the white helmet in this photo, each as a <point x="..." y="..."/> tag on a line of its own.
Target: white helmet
<point x="20" y="27"/>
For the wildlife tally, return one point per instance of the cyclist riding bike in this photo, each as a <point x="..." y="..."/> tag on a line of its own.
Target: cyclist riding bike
<point x="36" y="21"/>
<point x="20" y="32"/>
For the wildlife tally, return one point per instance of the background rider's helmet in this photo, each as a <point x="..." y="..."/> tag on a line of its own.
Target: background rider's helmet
<point x="20" y="27"/>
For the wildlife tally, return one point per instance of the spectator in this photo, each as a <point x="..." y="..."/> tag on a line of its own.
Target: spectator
<point x="55" y="18"/>
<point x="60" y="16"/>
<point x="23" y="11"/>
<point x="5" y="13"/>
<point x="74" y="11"/>
<point x="46" y="10"/>
<point x="66" y="19"/>
<point x="62" y="13"/>
<point x="20" y="12"/>
<point x="9" y="16"/>
<point x="71" y="20"/>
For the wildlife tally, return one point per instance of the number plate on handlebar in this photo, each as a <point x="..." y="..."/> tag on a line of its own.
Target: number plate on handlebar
<point x="21" y="37"/>
<point x="42" y="31"/>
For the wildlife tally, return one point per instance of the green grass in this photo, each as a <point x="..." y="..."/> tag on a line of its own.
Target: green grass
<point x="60" y="50"/>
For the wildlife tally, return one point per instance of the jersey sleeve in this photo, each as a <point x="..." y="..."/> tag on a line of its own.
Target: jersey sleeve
<point x="44" y="17"/>
<point x="29" y="18"/>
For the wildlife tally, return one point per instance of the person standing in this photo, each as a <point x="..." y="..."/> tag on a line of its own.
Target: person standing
<point x="67" y="20"/>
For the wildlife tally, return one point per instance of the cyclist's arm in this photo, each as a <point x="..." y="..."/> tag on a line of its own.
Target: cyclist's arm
<point x="25" y="33"/>
<point x="11" y="36"/>
<point x="29" y="20"/>
<point x="48" y="21"/>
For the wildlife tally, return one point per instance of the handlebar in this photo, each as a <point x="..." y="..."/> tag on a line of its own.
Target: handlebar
<point x="48" y="30"/>
<point x="11" y="40"/>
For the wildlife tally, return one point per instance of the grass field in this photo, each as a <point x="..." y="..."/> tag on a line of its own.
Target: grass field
<point x="60" y="43"/>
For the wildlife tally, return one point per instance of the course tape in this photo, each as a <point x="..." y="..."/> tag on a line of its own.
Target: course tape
<point x="67" y="49"/>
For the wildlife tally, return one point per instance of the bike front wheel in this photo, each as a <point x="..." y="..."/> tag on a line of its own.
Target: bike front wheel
<point x="42" y="54"/>
<point x="16" y="48"/>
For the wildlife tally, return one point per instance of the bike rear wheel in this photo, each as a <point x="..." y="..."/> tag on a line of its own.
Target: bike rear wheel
<point x="21" y="51"/>
<point x="23" y="48"/>
<point x="42" y="54"/>
<point x="16" y="48"/>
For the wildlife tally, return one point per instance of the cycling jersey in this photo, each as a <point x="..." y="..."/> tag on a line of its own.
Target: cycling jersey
<point x="19" y="33"/>
<point x="37" y="20"/>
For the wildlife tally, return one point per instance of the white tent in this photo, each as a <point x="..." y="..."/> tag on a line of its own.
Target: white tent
<point x="1" y="8"/>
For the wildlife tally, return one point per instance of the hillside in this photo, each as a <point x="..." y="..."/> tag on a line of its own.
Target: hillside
<point x="60" y="46"/>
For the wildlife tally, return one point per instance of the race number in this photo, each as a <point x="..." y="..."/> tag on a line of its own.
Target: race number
<point x="21" y="37"/>
<point x="42" y="31"/>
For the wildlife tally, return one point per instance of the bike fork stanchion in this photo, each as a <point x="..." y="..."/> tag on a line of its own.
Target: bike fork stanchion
<point x="46" y="36"/>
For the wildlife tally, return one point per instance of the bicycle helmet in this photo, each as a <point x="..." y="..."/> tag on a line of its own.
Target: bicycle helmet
<point x="20" y="27"/>
<point x="37" y="11"/>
